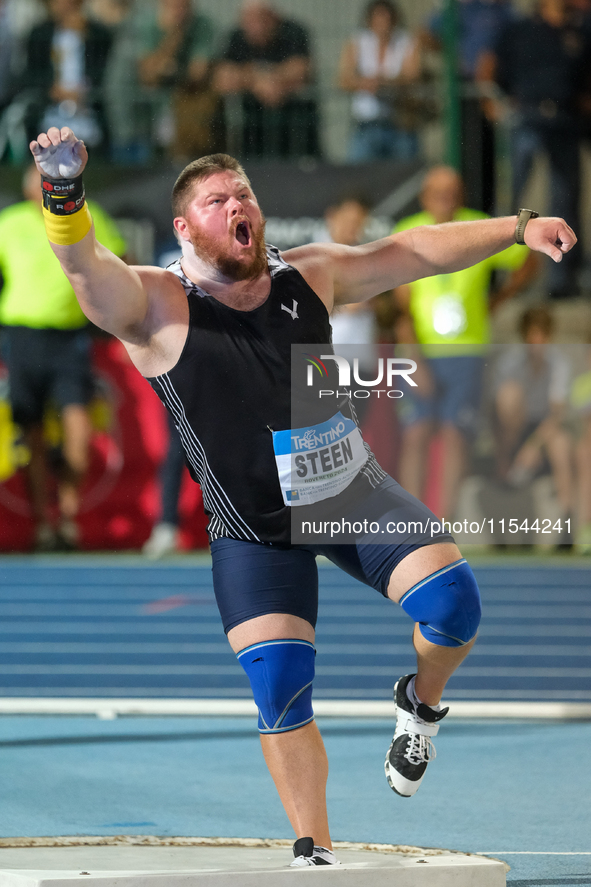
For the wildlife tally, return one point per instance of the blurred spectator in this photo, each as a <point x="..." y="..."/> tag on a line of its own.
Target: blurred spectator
<point x="531" y="394"/>
<point x="176" y="48"/>
<point x="17" y="17"/>
<point x="479" y="23"/>
<point x="127" y="109"/>
<point x="164" y="538"/>
<point x="46" y="348"/>
<point x="6" y="56"/>
<point x="542" y="63"/>
<point x="267" y="63"/>
<point x="109" y="12"/>
<point x="448" y="315"/>
<point x="376" y="65"/>
<point x="353" y="324"/>
<point x="580" y="12"/>
<point x="580" y="401"/>
<point x="66" y="58"/>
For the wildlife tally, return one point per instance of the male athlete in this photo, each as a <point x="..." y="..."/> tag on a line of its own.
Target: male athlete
<point x="213" y="337"/>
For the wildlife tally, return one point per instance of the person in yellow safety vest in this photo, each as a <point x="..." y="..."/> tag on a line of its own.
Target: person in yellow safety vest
<point x="46" y="348"/>
<point x="448" y="316"/>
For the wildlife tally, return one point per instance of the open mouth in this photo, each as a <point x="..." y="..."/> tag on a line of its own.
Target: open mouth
<point x="243" y="233"/>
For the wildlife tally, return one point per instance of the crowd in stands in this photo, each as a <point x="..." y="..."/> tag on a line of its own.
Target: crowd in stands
<point x="131" y="75"/>
<point x="528" y="404"/>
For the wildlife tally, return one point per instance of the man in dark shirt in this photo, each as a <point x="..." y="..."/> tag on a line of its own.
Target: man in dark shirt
<point x="248" y="330"/>
<point x="267" y="62"/>
<point x="541" y="63"/>
<point x="66" y="59"/>
<point x="479" y="23"/>
<point x="176" y="46"/>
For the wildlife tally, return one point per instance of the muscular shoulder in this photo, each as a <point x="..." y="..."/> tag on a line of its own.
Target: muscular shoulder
<point x="157" y="341"/>
<point x="167" y="300"/>
<point x="317" y="262"/>
<point x="158" y="279"/>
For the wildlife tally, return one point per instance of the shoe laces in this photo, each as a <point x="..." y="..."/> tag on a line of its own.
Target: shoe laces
<point x="420" y="749"/>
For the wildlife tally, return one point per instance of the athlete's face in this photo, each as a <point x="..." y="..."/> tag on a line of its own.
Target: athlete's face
<point x="225" y="225"/>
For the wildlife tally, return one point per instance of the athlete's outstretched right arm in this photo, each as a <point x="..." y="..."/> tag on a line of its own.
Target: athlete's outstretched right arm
<point x="111" y="294"/>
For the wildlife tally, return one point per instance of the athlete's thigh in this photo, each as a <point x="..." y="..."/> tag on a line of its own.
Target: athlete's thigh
<point x="264" y="588"/>
<point x="374" y="559"/>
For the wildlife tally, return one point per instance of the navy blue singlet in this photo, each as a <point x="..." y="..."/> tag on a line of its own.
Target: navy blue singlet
<point x="231" y="389"/>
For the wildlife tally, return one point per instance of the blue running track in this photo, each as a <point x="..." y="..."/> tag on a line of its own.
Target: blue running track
<point x="118" y="627"/>
<point x="101" y="627"/>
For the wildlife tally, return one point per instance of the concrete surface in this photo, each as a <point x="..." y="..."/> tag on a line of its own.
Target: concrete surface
<point x="250" y="864"/>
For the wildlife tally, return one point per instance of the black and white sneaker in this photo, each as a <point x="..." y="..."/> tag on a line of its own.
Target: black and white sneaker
<point x="306" y="853"/>
<point x="411" y="748"/>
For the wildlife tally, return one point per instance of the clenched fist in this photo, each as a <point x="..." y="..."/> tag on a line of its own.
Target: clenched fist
<point x="550" y="236"/>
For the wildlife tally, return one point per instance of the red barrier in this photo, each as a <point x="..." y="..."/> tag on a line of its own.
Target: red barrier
<point x="120" y="496"/>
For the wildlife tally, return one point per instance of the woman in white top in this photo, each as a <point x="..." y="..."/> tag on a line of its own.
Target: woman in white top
<point x="375" y="62"/>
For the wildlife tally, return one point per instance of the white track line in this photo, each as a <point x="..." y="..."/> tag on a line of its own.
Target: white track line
<point x="107" y="708"/>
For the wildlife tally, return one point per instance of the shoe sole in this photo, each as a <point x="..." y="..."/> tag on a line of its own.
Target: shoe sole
<point x="389" y="778"/>
<point x="387" y="761"/>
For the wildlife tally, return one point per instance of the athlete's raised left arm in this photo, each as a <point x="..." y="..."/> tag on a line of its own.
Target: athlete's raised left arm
<point x="353" y="274"/>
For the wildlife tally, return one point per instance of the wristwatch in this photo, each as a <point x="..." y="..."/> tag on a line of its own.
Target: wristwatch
<point x="523" y="217"/>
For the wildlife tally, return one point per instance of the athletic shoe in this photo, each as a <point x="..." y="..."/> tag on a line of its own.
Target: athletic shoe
<point x="45" y="539"/>
<point x="306" y="853"/>
<point x="163" y="541"/>
<point x="411" y="748"/>
<point x="67" y="536"/>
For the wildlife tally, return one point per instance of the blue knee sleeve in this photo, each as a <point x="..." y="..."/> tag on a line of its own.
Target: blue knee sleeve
<point x="281" y="674"/>
<point x="446" y="605"/>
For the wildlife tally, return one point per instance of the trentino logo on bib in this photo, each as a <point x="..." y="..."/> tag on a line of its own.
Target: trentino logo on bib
<point x="319" y="461"/>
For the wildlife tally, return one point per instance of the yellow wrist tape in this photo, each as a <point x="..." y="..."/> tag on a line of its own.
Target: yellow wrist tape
<point x="65" y="230"/>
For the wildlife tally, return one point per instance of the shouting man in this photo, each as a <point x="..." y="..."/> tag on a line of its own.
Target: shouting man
<point x="213" y="335"/>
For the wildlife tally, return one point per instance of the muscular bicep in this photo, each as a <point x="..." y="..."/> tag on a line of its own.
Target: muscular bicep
<point x="111" y="294"/>
<point x="410" y="255"/>
<point x="341" y="274"/>
<point x="365" y="271"/>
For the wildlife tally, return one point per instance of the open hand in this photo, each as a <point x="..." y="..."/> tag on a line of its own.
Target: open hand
<point x="59" y="154"/>
<point x="550" y="236"/>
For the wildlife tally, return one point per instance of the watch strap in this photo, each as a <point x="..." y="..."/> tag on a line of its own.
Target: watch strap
<point x="523" y="217"/>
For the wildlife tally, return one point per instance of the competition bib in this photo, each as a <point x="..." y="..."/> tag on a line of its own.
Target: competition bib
<point x="318" y="462"/>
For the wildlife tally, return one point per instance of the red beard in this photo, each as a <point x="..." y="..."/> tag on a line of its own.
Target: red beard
<point x="208" y="249"/>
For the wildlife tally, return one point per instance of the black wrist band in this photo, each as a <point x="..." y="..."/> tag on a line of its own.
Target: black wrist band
<point x="62" y="197"/>
<point x="523" y="217"/>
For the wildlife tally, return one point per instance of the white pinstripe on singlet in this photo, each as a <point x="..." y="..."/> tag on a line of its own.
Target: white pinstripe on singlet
<point x="372" y="470"/>
<point x="226" y="520"/>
